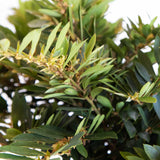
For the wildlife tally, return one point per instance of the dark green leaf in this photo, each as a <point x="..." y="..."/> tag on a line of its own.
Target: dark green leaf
<point x="130" y="128"/>
<point x="157" y="49"/>
<point x="157" y="104"/>
<point x="102" y="136"/>
<point x="82" y="150"/>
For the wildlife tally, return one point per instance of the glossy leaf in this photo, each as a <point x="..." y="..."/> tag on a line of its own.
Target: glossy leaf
<point x="157" y="104"/>
<point x="151" y="152"/>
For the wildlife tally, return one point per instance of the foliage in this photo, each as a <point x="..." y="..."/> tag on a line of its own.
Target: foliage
<point x="87" y="95"/>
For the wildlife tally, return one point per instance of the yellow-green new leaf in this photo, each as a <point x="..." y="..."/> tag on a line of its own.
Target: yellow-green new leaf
<point x="61" y="36"/>
<point x="148" y="99"/>
<point x="144" y="89"/>
<point x="33" y="37"/>
<point x="74" y="49"/>
<point x="51" y="38"/>
<point x="4" y="45"/>
<point x="90" y="45"/>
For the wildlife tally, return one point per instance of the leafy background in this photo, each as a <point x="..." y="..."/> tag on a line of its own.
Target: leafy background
<point x="108" y="94"/>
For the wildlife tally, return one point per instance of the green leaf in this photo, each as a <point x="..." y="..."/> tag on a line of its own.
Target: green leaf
<point x="148" y="99"/>
<point x="80" y="126"/>
<point x="125" y="154"/>
<point x="157" y="49"/>
<point x="81" y="149"/>
<point x="95" y="120"/>
<point x="33" y="37"/>
<point x="75" y="141"/>
<point x="95" y="92"/>
<point x="142" y="113"/>
<point x="104" y="101"/>
<point x="144" y="89"/>
<point x="71" y="92"/>
<point x="61" y="36"/>
<point x="11" y="132"/>
<point x="141" y="153"/>
<point x="92" y="70"/>
<point x="37" y="23"/>
<point x="20" y="111"/>
<point x="142" y="71"/>
<point x="151" y="152"/>
<point x="21" y="150"/>
<point x="54" y="95"/>
<point x="50" y="12"/>
<point x="31" y="144"/>
<point x="33" y="137"/>
<point x="115" y="47"/>
<point x="50" y="132"/>
<point x="74" y="49"/>
<point x="102" y="136"/>
<point x="130" y="128"/>
<point x="157" y="104"/>
<point x="100" y="120"/>
<point x="119" y="106"/>
<point x="4" y="45"/>
<point x="13" y="157"/>
<point x="51" y="38"/>
<point x="90" y="45"/>
<point x="133" y="158"/>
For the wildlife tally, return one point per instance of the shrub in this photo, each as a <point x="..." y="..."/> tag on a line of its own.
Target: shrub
<point x="87" y="95"/>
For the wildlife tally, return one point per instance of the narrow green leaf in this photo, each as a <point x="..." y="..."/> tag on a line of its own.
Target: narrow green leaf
<point x="130" y="128"/>
<point x="13" y="157"/>
<point x="21" y="151"/>
<point x="100" y="120"/>
<point x="74" y="49"/>
<point x="61" y="36"/>
<point x="95" y="120"/>
<point x="33" y="37"/>
<point x="151" y="152"/>
<point x="144" y="89"/>
<point x="50" y="12"/>
<point x="92" y="70"/>
<point x="80" y="126"/>
<point x="54" y="95"/>
<point x="148" y="99"/>
<point x="142" y="71"/>
<point x="142" y="113"/>
<point x="157" y="104"/>
<point x="157" y="49"/>
<point x="102" y="136"/>
<point x="81" y="149"/>
<point x="133" y="158"/>
<point x="90" y="45"/>
<point x="51" y="38"/>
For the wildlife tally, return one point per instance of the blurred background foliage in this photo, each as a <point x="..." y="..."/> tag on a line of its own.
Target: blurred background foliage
<point x="74" y="91"/>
